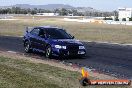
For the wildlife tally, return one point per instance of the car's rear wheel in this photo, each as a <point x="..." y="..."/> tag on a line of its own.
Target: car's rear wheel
<point x="27" y="47"/>
<point x="48" y="53"/>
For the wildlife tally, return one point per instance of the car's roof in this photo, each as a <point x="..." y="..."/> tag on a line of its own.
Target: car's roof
<point x="47" y="27"/>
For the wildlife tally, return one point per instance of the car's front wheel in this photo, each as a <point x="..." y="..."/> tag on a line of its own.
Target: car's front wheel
<point x="27" y="47"/>
<point x="48" y="53"/>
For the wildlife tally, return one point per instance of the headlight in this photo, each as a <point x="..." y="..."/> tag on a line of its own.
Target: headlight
<point x="60" y="47"/>
<point x="81" y="47"/>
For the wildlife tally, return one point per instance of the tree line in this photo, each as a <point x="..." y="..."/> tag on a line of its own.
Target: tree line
<point x="18" y="10"/>
<point x="62" y="12"/>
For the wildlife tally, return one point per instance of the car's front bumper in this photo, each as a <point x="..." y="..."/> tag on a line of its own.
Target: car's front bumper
<point x="65" y="52"/>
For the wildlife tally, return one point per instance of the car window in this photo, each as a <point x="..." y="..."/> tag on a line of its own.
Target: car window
<point x="35" y="31"/>
<point x="57" y="33"/>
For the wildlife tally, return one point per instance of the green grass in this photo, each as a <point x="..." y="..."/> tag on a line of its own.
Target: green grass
<point x="16" y="73"/>
<point x="23" y="74"/>
<point x="82" y="31"/>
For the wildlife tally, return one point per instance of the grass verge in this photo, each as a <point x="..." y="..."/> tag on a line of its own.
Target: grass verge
<point x="16" y="73"/>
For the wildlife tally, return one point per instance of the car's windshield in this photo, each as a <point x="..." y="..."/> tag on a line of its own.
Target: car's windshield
<point x="58" y="33"/>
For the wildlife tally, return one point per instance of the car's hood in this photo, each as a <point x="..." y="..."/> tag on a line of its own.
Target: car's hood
<point x="67" y="41"/>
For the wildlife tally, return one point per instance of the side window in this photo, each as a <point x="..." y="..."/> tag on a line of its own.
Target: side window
<point x="35" y="31"/>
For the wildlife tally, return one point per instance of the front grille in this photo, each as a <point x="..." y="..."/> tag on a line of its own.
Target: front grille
<point x="73" y="49"/>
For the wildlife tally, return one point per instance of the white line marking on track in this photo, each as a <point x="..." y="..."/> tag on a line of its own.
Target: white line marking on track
<point x="11" y="52"/>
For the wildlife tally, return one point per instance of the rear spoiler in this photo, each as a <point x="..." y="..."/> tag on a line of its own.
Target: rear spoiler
<point x="28" y="29"/>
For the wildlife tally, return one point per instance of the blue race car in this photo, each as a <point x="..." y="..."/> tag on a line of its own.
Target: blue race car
<point x="52" y="41"/>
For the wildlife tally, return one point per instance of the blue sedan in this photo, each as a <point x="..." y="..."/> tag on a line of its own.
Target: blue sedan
<point x="52" y="41"/>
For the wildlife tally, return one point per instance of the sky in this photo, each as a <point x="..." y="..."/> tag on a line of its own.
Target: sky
<point x="105" y="5"/>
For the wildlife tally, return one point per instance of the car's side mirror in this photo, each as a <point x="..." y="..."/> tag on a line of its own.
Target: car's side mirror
<point x="26" y="30"/>
<point x="73" y="37"/>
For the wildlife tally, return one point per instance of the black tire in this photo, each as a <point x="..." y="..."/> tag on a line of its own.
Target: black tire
<point x="48" y="52"/>
<point x="27" y="47"/>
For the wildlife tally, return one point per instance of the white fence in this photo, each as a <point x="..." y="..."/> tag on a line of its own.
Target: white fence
<point x="119" y="22"/>
<point x="99" y="21"/>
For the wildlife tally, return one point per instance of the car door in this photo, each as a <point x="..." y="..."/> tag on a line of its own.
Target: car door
<point x="42" y="39"/>
<point x="34" y="38"/>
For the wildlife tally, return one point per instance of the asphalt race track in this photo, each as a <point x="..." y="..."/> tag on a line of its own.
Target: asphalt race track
<point x="115" y="60"/>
